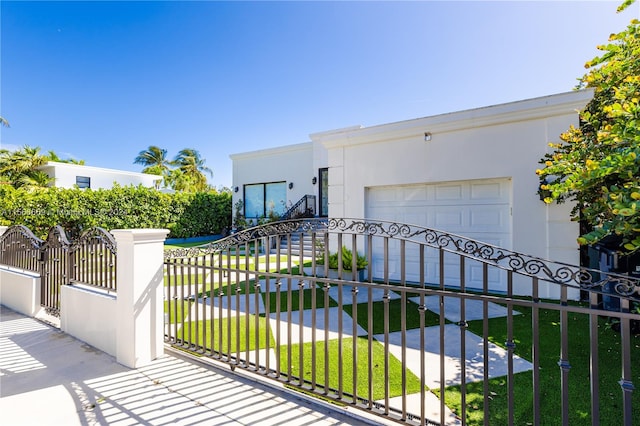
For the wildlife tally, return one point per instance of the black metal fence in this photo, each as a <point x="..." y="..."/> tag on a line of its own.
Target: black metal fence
<point x="414" y="324"/>
<point x="90" y="259"/>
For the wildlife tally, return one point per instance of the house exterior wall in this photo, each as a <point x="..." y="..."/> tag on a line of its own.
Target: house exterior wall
<point x="504" y="141"/>
<point x="497" y="142"/>
<point x="291" y="164"/>
<point x="65" y="176"/>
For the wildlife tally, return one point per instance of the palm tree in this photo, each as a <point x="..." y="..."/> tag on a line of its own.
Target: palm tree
<point x="193" y="169"/>
<point x="154" y="160"/>
<point x="33" y="180"/>
<point x="53" y="156"/>
<point x="4" y="122"/>
<point x="14" y="165"/>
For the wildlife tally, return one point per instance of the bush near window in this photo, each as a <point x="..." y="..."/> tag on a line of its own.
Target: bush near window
<point x="122" y="207"/>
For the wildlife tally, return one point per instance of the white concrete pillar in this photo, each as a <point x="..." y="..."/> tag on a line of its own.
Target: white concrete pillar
<point x="140" y="305"/>
<point x="3" y="229"/>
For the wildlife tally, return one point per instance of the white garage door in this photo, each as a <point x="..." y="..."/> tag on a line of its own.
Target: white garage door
<point x="478" y="209"/>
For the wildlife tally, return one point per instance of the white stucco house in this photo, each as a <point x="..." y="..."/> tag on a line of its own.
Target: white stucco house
<point x="470" y="173"/>
<point x="67" y="175"/>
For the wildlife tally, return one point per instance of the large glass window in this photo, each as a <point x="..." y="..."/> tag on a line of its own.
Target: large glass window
<point x="261" y="199"/>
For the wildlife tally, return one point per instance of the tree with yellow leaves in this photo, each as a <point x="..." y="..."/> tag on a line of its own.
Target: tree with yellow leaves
<point x="598" y="163"/>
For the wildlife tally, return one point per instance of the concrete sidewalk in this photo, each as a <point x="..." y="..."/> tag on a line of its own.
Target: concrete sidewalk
<point x="49" y="378"/>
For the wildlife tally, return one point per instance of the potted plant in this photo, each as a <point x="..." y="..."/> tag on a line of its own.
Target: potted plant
<point x="347" y="263"/>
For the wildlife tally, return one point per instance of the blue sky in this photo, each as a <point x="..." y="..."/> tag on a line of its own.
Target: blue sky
<point x="101" y="81"/>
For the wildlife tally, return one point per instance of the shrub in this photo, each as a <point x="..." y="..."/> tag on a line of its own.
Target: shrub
<point x="347" y="259"/>
<point x="121" y="207"/>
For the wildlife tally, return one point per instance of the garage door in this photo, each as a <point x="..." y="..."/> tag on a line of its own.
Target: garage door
<point x="478" y="209"/>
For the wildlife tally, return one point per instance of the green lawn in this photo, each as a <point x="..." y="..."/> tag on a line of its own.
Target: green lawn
<point x="550" y="392"/>
<point x="549" y="338"/>
<point x="221" y="340"/>
<point x="346" y="360"/>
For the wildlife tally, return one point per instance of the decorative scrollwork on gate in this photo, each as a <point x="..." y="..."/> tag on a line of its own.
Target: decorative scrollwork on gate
<point x="96" y="235"/>
<point x="252" y="234"/>
<point x="20" y="248"/>
<point x="546" y="270"/>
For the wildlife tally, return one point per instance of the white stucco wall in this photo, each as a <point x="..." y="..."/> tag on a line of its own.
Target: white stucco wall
<point x="504" y="141"/>
<point x="65" y="176"/>
<point x="292" y="164"/>
<point x="20" y="290"/>
<point x="88" y="314"/>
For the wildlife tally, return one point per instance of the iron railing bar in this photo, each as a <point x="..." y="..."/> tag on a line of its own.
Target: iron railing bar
<point x="354" y="258"/>
<point x="536" y="351"/>
<point x="421" y="312"/>
<point x="340" y="340"/>
<point x="594" y="361"/>
<point x="278" y="324"/>
<point x="626" y="381"/>
<point x="289" y="308"/>
<point x="386" y="299"/>
<point x="314" y="307"/>
<point x="196" y="303"/>
<point x="188" y="299"/>
<point x="267" y="306"/>
<point x="247" y="298"/>
<point x="369" y="248"/>
<point x="340" y="319"/>
<point x="354" y="347"/>
<point x="300" y="331"/>
<point x="354" y="317"/>
<point x="221" y="295"/>
<point x="211" y="298"/>
<point x="485" y="343"/>
<point x="326" y="288"/>
<point x="314" y="325"/>
<point x="563" y="363"/>
<point x="441" y="341"/>
<point x="510" y="345"/>
<point x="403" y="327"/>
<point x="182" y="310"/>
<point x="217" y="349"/>
<point x="370" y="346"/>
<point x="175" y="298"/>
<point x="236" y="316"/>
<point x="463" y="345"/>
<point x="257" y="292"/>
<point x="301" y="308"/>
<point x="278" y="307"/>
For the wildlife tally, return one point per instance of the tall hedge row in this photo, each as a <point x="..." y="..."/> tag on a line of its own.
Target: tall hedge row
<point x="122" y="207"/>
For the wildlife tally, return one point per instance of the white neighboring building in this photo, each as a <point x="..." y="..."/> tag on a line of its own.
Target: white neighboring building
<point x="470" y="173"/>
<point x="69" y="175"/>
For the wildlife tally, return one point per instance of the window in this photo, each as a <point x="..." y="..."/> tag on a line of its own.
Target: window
<point x="260" y="199"/>
<point x="83" y="182"/>
<point x="324" y="192"/>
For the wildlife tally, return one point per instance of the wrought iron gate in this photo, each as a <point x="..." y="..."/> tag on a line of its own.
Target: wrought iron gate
<point x="90" y="260"/>
<point x="490" y="336"/>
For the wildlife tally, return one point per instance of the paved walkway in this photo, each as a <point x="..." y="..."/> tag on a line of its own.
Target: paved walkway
<point x="474" y="349"/>
<point x="49" y="378"/>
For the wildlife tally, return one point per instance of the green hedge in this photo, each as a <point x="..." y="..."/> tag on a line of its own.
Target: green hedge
<point x="184" y="214"/>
